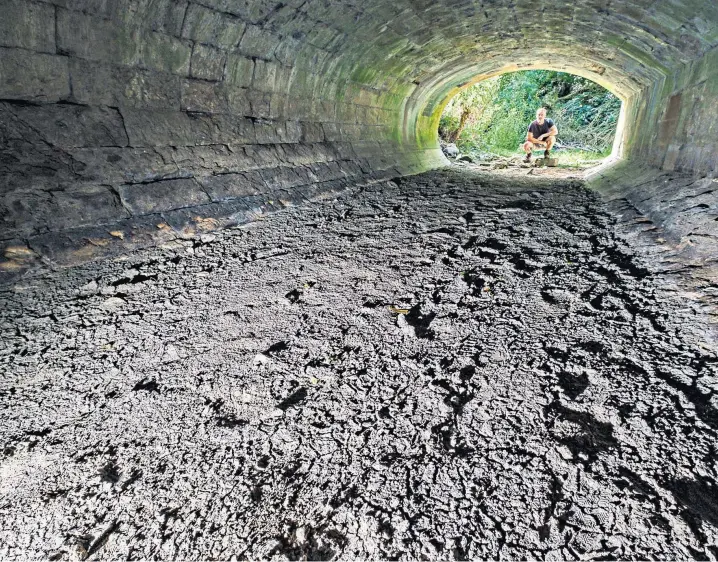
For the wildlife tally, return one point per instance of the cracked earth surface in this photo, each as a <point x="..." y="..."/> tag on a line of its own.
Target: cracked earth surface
<point x="443" y="367"/>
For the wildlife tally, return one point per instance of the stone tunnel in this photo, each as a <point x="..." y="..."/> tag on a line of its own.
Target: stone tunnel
<point x="127" y="126"/>
<point x="115" y="111"/>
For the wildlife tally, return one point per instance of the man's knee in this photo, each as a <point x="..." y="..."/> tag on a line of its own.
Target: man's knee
<point x="551" y="140"/>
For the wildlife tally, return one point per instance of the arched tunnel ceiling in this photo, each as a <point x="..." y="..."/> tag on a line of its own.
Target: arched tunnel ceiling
<point x="122" y="109"/>
<point x="632" y="43"/>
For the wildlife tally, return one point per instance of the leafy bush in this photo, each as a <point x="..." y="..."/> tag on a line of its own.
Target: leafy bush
<point x="500" y="110"/>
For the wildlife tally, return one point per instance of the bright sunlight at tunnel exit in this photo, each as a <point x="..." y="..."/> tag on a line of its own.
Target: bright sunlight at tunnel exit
<point x="486" y="122"/>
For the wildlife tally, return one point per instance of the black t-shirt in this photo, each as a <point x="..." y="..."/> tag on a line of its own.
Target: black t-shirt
<point x="537" y="130"/>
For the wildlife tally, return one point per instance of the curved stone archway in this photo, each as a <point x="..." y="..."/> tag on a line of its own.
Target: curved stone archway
<point x="424" y="108"/>
<point x="125" y="111"/>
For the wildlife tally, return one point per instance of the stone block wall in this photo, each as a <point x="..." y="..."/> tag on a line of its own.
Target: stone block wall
<point x="670" y="174"/>
<point x="688" y="125"/>
<point x="128" y="108"/>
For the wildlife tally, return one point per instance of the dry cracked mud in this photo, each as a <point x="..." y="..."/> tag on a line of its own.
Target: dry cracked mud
<point x="443" y="366"/>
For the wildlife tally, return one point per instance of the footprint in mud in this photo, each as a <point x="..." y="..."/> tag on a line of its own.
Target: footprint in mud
<point x="580" y="431"/>
<point x="420" y="322"/>
<point x="573" y="385"/>
<point x="293" y="399"/>
<point x="699" y="496"/>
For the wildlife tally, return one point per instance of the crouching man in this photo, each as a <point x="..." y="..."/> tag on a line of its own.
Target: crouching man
<point x="542" y="133"/>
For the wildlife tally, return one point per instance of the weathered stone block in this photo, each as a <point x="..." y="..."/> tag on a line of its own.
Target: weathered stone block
<point x="331" y="132"/>
<point x="263" y="156"/>
<point x="238" y="101"/>
<point x="302" y="84"/>
<point x="267" y="132"/>
<point x="259" y="103"/>
<point x="36" y="211"/>
<point x="311" y="132"/>
<point x="197" y="161"/>
<point x="155" y="197"/>
<point x="207" y="63"/>
<point x="118" y="86"/>
<point x="287" y="50"/>
<point x="235" y="159"/>
<point x="325" y="171"/>
<point x="159" y="15"/>
<point x="257" y="42"/>
<point x="283" y="177"/>
<point x="349" y="168"/>
<point x="299" y="108"/>
<point x="324" y="110"/>
<point x="345" y="151"/>
<point x="322" y="36"/>
<point x="125" y="165"/>
<point x="166" y="128"/>
<point x="29" y="25"/>
<point x="164" y="53"/>
<point x="231" y="186"/>
<point x="240" y="70"/>
<point x="265" y="74"/>
<point x="283" y="79"/>
<point x="278" y="107"/>
<point x="26" y="160"/>
<point x="82" y="206"/>
<point x="92" y="38"/>
<point x="351" y="132"/>
<point x="213" y="28"/>
<point x="73" y="126"/>
<point x="21" y="211"/>
<point x="205" y="97"/>
<point x="248" y="11"/>
<point x="233" y="129"/>
<point x="33" y="76"/>
<point x="301" y="153"/>
<point x="292" y="131"/>
<point x="346" y="113"/>
<point x="103" y="40"/>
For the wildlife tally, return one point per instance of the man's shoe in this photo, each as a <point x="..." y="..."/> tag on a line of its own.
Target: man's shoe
<point x="547" y="153"/>
<point x="528" y="158"/>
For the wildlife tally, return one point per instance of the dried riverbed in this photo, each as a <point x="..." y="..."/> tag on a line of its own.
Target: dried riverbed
<point x="447" y="367"/>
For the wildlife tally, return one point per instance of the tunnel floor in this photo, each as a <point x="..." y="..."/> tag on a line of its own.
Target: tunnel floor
<point x="444" y="366"/>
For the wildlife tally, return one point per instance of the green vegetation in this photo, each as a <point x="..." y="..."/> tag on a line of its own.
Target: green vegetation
<point x="493" y="115"/>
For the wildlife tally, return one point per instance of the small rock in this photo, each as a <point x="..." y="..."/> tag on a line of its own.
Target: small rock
<point x="171" y="354"/>
<point x="564" y="452"/>
<point x="89" y="288"/>
<point x="261" y="359"/>
<point x="113" y="304"/>
<point x="450" y="150"/>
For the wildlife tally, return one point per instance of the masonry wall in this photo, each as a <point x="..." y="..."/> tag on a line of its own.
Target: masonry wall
<point x="112" y="110"/>
<point x="669" y="173"/>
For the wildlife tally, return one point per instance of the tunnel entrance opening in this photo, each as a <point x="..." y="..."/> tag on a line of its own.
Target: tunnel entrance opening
<point x="486" y="122"/>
